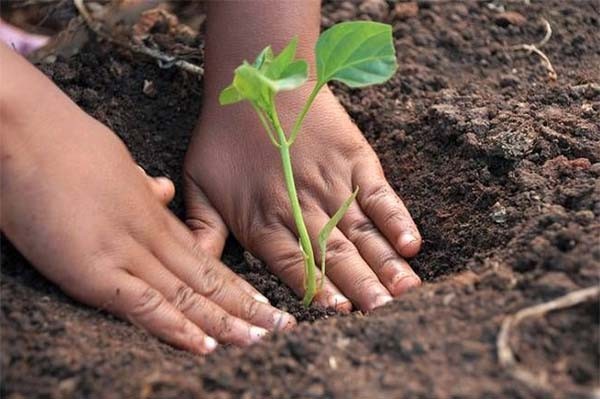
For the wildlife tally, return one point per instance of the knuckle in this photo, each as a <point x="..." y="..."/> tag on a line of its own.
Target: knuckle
<point x="366" y="283"/>
<point x="198" y="250"/>
<point x="185" y="298"/>
<point x="354" y="149"/>
<point x="259" y="235"/>
<point x="203" y="221"/>
<point x="211" y="283"/>
<point x="375" y="196"/>
<point x="272" y="211"/>
<point x="361" y="229"/>
<point x="289" y="263"/>
<point x="392" y="217"/>
<point x="226" y="328"/>
<point x="387" y="260"/>
<point x="339" y="249"/>
<point x="328" y="181"/>
<point x="148" y="301"/>
<point x="250" y="308"/>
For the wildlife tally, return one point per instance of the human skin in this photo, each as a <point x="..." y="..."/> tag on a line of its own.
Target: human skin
<point x="234" y="179"/>
<point x="87" y="217"/>
<point x="20" y="40"/>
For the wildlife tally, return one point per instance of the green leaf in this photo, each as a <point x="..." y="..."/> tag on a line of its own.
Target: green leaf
<point x="264" y="58"/>
<point x="230" y="95"/>
<point x="253" y="86"/>
<point x="260" y="85"/>
<point x="328" y="228"/>
<point x="293" y="76"/>
<point x="286" y="73"/>
<point x="358" y="53"/>
<point x="283" y="60"/>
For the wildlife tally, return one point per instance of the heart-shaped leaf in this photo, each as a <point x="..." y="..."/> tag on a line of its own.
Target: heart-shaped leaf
<point x="358" y="53"/>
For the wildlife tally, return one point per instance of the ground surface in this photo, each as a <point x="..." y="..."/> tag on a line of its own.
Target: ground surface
<point x="499" y="166"/>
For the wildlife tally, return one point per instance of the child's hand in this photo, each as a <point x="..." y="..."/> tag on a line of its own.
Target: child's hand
<point x="232" y="164"/>
<point x="77" y="206"/>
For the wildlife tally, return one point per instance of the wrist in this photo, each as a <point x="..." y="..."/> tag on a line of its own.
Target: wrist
<point x="239" y="30"/>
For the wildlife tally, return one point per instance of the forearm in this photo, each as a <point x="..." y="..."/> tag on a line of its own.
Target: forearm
<point x="32" y="108"/>
<point x="238" y="30"/>
<point x="40" y="127"/>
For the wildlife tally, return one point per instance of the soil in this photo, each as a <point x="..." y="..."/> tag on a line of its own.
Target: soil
<point x="499" y="165"/>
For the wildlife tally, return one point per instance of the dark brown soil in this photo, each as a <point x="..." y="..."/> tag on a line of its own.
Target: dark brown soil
<point x="499" y="166"/>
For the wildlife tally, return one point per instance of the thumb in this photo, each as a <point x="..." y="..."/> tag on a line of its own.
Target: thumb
<point x="162" y="187"/>
<point x="203" y="220"/>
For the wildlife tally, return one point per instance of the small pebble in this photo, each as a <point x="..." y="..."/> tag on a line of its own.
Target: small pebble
<point x="376" y="9"/>
<point x="499" y="214"/>
<point x="595" y="169"/>
<point x="404" y="11"/>
<point x="149" y="88"/>
<point x="507" y="18"/>
<point x="509" y="80"/>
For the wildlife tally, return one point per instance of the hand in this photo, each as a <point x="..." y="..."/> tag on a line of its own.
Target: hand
<point x="77" y="206"/>
<point x="233" y="170"/>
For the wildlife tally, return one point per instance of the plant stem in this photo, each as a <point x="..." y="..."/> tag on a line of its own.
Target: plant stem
<point x="305" y="109"/>
<point x="265" y="124"/>
<point x="288" y="173"/>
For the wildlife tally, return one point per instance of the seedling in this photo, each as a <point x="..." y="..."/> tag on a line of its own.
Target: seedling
<point x="357" y="54"/>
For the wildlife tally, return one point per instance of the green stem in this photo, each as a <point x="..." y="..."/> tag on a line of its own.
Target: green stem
<point x="265" y="124"/>
<point x="305" y="109"/>
<point x="288" y="173"/>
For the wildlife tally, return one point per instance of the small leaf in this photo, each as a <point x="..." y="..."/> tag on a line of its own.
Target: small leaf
<point x="328" y="228"/>
<point x="358" y="53"/>
<point x="268" y="75"/>
<point x="254" y="86"/>
<point x="230" y="95"/>
<point x="293" y="76"/>
<point x="283" y="60"/>
<point x="264" y="58"/>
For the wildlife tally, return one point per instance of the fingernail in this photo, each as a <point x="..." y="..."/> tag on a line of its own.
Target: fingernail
<point x="336" y="301"/>
<point x="163" y="180"/>
<point x="257" y="333"/>
<point x="403" y="282"/>
<point x="261" y="298"/>
<point x="381" y="300"/>
<point x="283" y="321"/>
<point x="210" y="344"/>
<point x="406" y="240"/>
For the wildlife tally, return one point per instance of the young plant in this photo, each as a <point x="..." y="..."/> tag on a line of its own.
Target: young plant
<point x="357" y="54"/>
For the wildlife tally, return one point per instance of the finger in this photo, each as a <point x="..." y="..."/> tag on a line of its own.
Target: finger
<point x="162" y="187"/>
<point x="205" y="222"/>
<point x="393" y="271"/>
<point x="203" y="312"/>
<point x="381" y="204"/>
<point x="346" y="268"/>
<point x="23" y="42"/>
<point x="182" y="234"/>
<point x="210" y="278"/>
<point x="279" y="249"/>
<point x="144" y="306"/>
